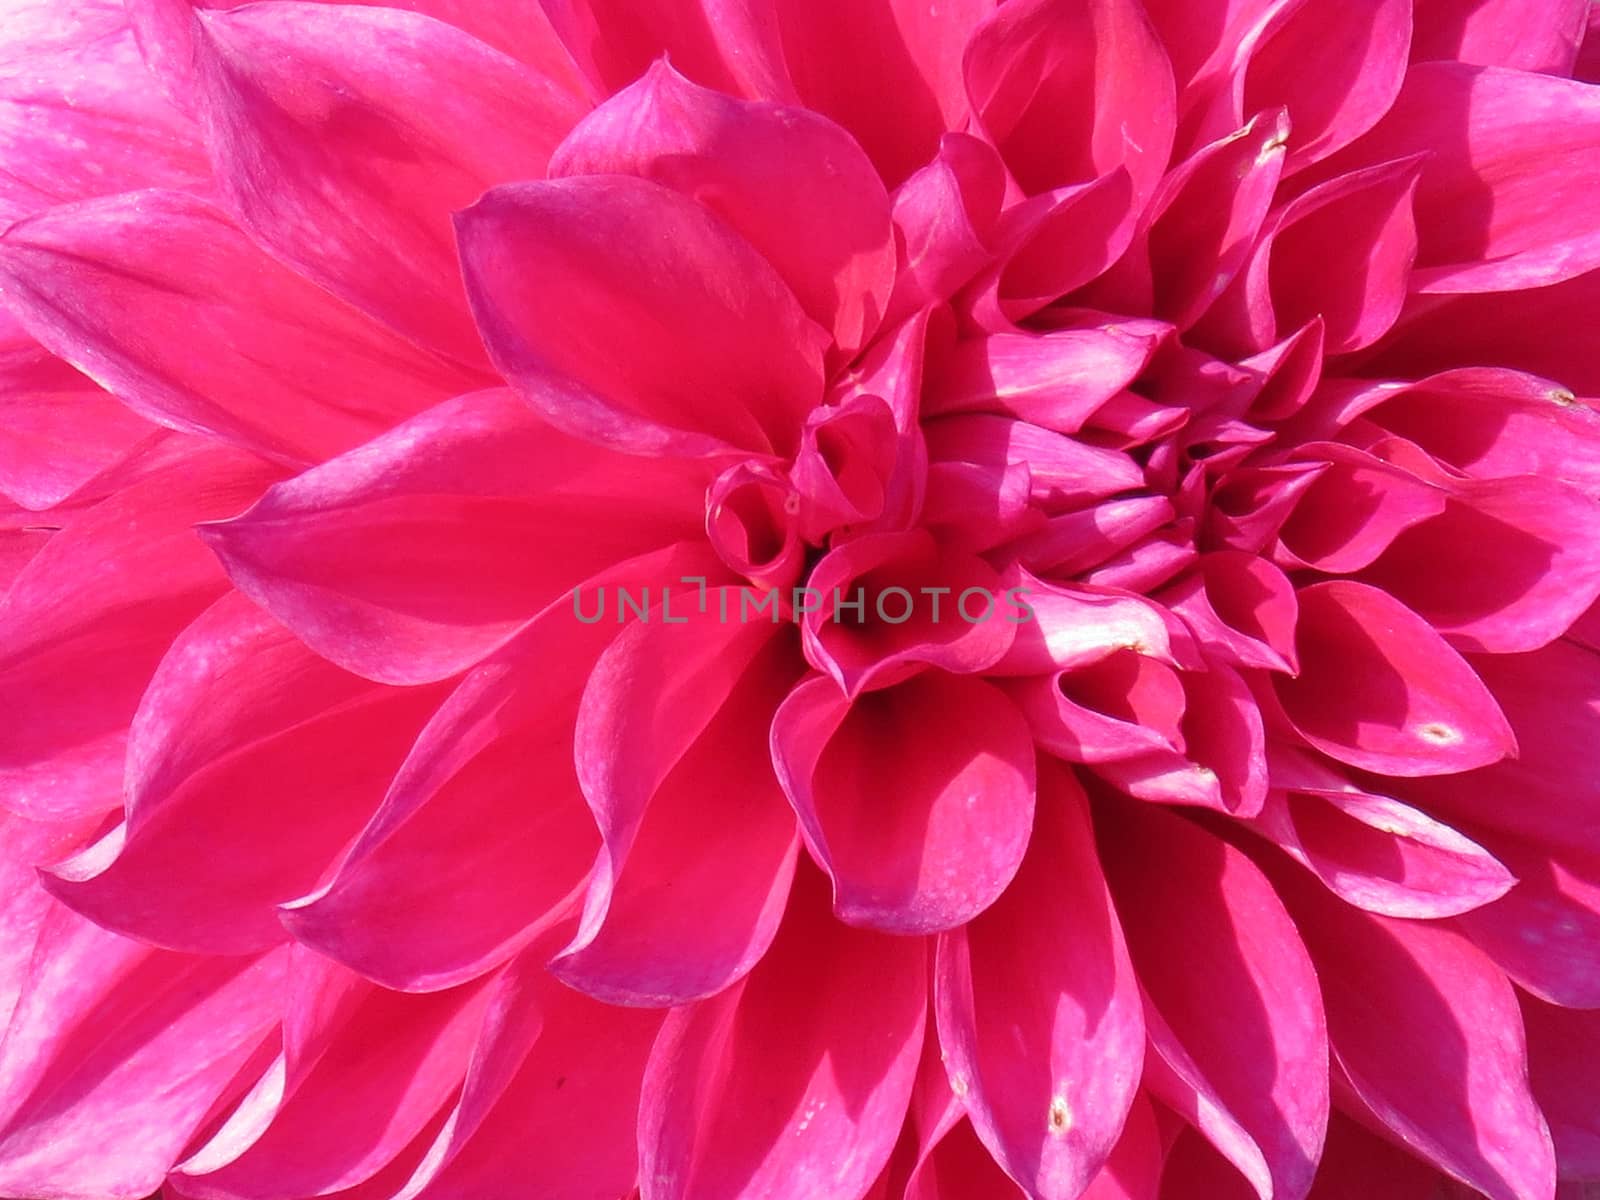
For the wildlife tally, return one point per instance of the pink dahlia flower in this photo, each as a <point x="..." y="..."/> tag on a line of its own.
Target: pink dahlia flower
<point x="800" y="600"/>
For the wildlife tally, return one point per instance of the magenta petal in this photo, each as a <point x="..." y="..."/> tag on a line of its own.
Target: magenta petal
<point x="1040" y="1021"/>
<point x="723" y="44"/>
<point x="1380" y="690"/>
<point x="1501" y="200"/>
<point x="232" y="805"/>
<point x="1552" y="699"/>
<point x="554" y="1121"/>
<point x="1375" y="852"/>
<point x="117" y="1055"/>
<point x="690" y="342"/>
<point x="832" y="243"/>
<point x="1035" y="59"/>
<point x="1492" y="423"/>
<point x="1426" y="1029"/>
<point x="1294" y="276"/>
<point x="58" y="430"/>
<point x="1563" y="1046"/>
<point x="456" y="871"/>
<point x="1354" y="511"/>
<point x="1545" y="932"/>
<point x="1532" y="35"/>
<point x="1506" y="567"/>
<point x="1239" y="1047"/>
<point x="1208" y="213"/>
<point x="1056" y="381"/>
<point x="838" y="1014"/>
<point x="698" y="847"/>
<point x="1337" y="71"/>
<point x="893" y="636"/>
<point x="131" y="290"/>
<point x="889" y="71"/>
<point x="81" y="119"/>
<point x="364" y="1072"/>
<point x="917" y="800"/>
<point x="416" y="555"/>
<point x="86" y="622"/>
<point x="320" y="146"/>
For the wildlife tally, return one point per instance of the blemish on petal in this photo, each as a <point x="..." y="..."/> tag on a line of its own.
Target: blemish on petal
<point x="1060" y="1116"/>
<point x="958" y="1085"/>
<point x="1564" y="397"/>
<point x="1439" y="734"/>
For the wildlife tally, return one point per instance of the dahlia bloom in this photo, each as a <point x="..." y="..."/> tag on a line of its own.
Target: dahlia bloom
<point x="799" y="599"/>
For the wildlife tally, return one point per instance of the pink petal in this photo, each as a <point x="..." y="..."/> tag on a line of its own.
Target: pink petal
<point x="365" y="1070"/>
<point x="1295" y="275"/>
<point x="1427" y="1032"/>
<point x="698" y="846"/>
<point x="1490" y="423"/>
<point x="311" y="115"/>
<point x="1532" y="35"/>
<point x="232" y="805"/>
<point x="1241" y="607"/>
<point x="1356" y="1162"/>
<point x="1040" y="1021"/>
<point x="945" y="215"/>
<point x="1563" y="1046"/>
<point x="1072" y="627"/>
<point x="1336" y="71"/>
<point x="1506" y="567"/>
<point x="689" y="342"/>
<point x="552" y="1122"/>
<point x="969" y="631"/>
<point x="1545" y="932"/>
<point x="1380" y="690"/>
<point x="1036" y="59"/>
<point x="724" y="44"/>
<point x="832" y="243"/>
<point x="1505" y="329"/>
<point x="1207" y="214"/>
<point x="118" y="1054"/>
<point x="456" y="871"/>
<point x="1552" y="699"/>
<point x="917" y="800"/>
<point x="58" y="429"/>
<point x="889" y="71"/>
<point x="1375" y="852"/>
<point x="1511" y="158"/>
<point x="127" y="289"/>
<point x="1109" y="706"/>
<point x="1056" y="381"/>
<point x="91" y="615"/>
<point x="838" y="1013"/>
<point x="1236" y="1023"/>
<point x="1354" y="511"/>
<point x="82" y="118"/>
<point x="959" y="1166"/>
<point x="416" y="555"/>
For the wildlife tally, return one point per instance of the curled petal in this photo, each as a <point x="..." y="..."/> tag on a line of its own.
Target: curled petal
<point x="917" y="799"/>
